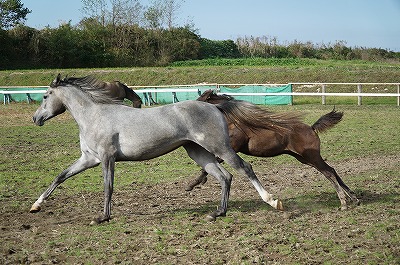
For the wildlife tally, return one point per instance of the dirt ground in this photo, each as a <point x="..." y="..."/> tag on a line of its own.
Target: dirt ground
<point x="164" y="224"/>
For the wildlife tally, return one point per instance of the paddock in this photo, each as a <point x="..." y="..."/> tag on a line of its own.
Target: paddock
<point x="157" y="221"/>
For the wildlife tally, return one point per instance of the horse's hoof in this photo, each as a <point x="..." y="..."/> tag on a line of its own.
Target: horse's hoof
<point x="279" y="205"/>
<point x="99" y="220"/>
<point x="210" y="218"/>
<point x="35" y="208"/>
<point x="189" y="187"/>
<point x="203" y="181"/>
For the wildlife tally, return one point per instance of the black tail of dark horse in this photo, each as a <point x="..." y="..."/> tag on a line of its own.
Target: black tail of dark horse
<point x="327" y="121"/>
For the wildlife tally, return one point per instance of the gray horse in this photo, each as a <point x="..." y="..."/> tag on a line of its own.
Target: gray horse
<point x="111" y="132"/>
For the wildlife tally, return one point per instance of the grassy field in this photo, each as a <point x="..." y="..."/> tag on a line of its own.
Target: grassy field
<point x="156" y="222"/>
<point x="225" y="71"/>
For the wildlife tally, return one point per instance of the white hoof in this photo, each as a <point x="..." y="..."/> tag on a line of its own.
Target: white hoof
<point x="35" y="208"/>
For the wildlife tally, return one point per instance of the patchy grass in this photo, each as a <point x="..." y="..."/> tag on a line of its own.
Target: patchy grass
<point x="225" y="71"/>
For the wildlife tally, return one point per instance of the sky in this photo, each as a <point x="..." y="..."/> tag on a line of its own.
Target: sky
<point x="361" y="23"/>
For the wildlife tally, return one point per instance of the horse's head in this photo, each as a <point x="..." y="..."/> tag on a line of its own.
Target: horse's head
<point x="51" y="105"/>
<point x="211" y="97"/>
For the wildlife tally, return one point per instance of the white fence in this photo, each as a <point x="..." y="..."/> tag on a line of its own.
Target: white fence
<point x="7" y="91"/>
<point x="359" y="94"/>
<point x="320" y="93"/>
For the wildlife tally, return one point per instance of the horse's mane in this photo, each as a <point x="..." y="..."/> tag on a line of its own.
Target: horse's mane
<point x="252" y="116"/>
<point x="92" y="86"/>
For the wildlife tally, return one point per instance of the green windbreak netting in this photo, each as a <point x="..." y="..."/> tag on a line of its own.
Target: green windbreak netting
<point x="169" y="97"/>
<point x="262" y="100"/>
<point x="185" y="93"/>
<point x="23" y="96"/>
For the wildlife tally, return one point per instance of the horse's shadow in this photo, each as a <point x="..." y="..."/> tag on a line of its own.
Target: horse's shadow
<point x="300" y="205"/>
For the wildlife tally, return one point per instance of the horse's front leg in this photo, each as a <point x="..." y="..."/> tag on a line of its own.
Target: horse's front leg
<point x="83" y="163"/>
<point x="108" y="167"/>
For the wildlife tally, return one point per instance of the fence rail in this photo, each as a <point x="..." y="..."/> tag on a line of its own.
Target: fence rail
<point x="359" y="93"/>
<point x="7" y="91"/>
<point x="322" y="93"/>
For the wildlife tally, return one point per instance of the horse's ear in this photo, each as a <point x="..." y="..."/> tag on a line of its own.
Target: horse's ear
<point x="211" y="94"/>
<point x="56" y="81"/>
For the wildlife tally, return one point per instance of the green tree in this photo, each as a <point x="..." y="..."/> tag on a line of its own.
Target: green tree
<point x="12" y="13"/>
<point x="218" y="49"/>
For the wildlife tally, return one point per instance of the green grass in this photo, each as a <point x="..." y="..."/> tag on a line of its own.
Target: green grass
<point x="225" y="71"/>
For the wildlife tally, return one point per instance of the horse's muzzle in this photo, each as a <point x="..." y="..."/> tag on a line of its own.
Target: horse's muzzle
<point x="39" y="121"/>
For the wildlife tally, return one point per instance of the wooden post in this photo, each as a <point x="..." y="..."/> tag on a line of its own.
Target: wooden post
<point x="323" y="96"/>
<point x="398" y="92"/>
<point x="359" y="90"/>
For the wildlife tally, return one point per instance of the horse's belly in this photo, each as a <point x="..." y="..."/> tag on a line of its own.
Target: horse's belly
<point x="265" y="146"/>
<point x="146" y="151"/>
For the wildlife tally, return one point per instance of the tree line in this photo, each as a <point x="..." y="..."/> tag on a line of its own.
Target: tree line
<point x="123" y="33"/>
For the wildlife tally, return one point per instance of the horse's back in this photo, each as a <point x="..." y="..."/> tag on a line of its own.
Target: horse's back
<point x="150" y="132"/>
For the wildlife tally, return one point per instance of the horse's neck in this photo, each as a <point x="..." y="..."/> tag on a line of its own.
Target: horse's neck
<point x="80" y="105"/>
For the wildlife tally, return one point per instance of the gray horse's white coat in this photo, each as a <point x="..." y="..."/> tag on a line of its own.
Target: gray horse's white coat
<point x="112" y="132"/>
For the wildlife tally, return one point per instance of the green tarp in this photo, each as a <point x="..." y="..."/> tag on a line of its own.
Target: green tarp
<point x="262" y="100"/>
<point x="24" y="96"/>
<point x="168" y="97"/>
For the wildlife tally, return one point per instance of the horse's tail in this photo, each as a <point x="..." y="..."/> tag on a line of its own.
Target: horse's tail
<point x="247" y="115"/>
<point x="132" y="96"/>
<point x="327" y="121"/>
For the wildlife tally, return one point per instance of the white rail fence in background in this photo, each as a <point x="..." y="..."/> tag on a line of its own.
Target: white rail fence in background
<point x="321" y="93"/>
<point x="8" y="91"/>
<point x="359" y="93"/>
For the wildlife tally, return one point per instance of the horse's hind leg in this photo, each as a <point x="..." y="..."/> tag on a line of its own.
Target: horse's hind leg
<point x="200" y="180"/>
<point x="209" y="164"/>
<point x="342" y="190"/>
<point x="245" y="168"/>
<point x="197" y="181"/>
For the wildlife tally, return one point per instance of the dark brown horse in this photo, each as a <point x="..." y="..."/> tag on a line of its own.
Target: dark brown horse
<point x="115" y="90"/>
<point x="281" y="133"/>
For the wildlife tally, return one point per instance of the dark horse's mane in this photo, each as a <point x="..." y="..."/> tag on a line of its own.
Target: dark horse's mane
<point x="254" y="117"/>
<point x="92" y="86"/>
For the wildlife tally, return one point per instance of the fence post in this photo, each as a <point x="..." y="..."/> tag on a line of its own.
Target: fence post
<point x="359" y="90"/>
<point x="323" y="96"/>
<point x="398" y="92"/>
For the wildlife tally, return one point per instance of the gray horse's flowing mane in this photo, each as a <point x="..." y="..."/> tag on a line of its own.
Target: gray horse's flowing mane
<point x="92" y="86"/>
